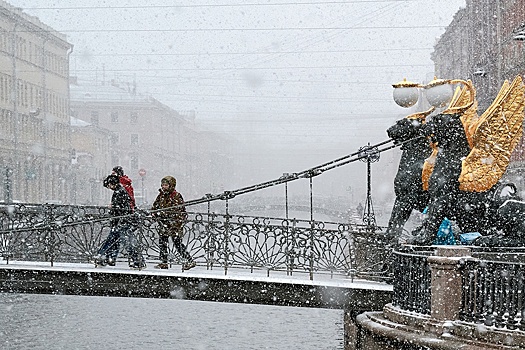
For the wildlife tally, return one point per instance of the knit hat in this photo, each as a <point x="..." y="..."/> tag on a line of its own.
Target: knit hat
<point x="118" y="171"/>
<point x="170" y="180"/>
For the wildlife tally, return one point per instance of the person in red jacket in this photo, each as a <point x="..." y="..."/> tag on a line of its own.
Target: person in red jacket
<point x="125" y="181"/>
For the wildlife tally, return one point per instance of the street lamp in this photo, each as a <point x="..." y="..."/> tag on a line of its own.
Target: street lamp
<point x="480" y="72"/>
<point x="438" y="92"/>
<point x="406" y="93"/>
<point x="519" y="33"/>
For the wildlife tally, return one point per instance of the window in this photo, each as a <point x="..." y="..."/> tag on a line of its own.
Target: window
<point x="115" y="158"/>
<point x="94" y="118"/>
<point x="114" y="139"/>
<point x="134" y="118"/>
<point x="114" y="117"/>
<point x="133" y="161"/>
<point x="3" y="88"/>
<point x="134" y="139"/>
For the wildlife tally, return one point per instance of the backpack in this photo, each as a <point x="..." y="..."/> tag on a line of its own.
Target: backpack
<point x="126" y="183"/>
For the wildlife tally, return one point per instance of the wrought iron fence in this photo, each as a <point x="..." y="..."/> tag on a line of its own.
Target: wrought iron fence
<point x="493" y="284"/>
<point x="412" y="279"/>
<point x="494" y="288"/>
<point x="74" y="233"/>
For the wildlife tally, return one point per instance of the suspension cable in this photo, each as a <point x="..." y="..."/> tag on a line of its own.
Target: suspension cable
<point x="315" y="171"/>
<point x="308" y="173"/>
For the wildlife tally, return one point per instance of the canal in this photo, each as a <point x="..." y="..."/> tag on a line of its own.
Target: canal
<point x="61" y="322"/>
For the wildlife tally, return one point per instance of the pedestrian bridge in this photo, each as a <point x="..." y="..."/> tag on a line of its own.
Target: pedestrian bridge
<point x="48" y="249"/>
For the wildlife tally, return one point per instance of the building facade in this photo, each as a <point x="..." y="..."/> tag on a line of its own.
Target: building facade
<point x="485" y="43"/>
<point x="59" y="140"/>
<point x="150" y="140"/>
<point x="90" y="163"/>
<point x="35" y="139"/>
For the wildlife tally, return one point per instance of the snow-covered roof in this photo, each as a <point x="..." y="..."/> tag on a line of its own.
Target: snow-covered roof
<point x="83" y="91"/>
<point x="78" y="123"/>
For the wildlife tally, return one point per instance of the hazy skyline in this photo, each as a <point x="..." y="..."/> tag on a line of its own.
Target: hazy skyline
<point x="297" y="83"/>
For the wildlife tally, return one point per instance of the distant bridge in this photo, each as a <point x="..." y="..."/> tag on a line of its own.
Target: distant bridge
<point x="332" y="213"/>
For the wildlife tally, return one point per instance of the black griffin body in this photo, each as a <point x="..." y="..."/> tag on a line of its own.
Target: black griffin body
<point x="408" y="185"/>
<point x="447" y="130"/>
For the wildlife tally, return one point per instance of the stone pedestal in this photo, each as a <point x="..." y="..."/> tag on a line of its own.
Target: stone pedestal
<point x="445" y="301"/>
<point x="395" y="328"/>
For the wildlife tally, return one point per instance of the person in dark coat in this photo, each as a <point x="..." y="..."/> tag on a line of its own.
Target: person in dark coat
<point x="168" y="208"/>
<point x="121" y="228"/>
<point x="125" y="181"/>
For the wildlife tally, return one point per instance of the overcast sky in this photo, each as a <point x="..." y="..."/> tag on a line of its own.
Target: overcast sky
<point x="304" y="80"/>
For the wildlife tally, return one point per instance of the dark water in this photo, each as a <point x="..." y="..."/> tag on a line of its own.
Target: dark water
<point x="106" y="323"/>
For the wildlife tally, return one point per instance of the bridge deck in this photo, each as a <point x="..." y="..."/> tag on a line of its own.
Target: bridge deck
<point x="200" y="283"/>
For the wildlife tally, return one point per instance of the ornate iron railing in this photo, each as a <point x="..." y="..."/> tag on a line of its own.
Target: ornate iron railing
<point x="494" y="288"/>
<point x="74" y="233"/>
<point x="493" y="284"/>
<point x="412" y="279"/>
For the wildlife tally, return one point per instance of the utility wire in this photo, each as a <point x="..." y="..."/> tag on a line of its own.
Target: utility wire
<point x="80" y="54"/>
<point x="269" y="29"/>
<point x="345" y="2"/>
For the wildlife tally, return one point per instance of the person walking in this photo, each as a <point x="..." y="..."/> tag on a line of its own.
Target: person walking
<point x="126" y="182"/>
<point x="168" y="208"/>
<point x="121" y="228"/>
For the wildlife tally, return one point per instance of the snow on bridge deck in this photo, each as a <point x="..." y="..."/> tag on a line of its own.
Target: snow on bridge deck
<point x="200" y="283"/>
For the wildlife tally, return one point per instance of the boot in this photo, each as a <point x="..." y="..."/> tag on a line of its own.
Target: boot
<point x="138" y="265"/>
<point x="99" y="261"/>
<point x="163" y="266"/>
<point x="189" y="265"/>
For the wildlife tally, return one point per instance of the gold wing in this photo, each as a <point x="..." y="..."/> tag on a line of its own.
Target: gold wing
<point x="428" y="166"/>
<point x="495" y="135"/>
<point x="460" y="100"/>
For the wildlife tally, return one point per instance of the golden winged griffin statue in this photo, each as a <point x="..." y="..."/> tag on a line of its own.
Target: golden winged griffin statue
<point x="453" y="163"/>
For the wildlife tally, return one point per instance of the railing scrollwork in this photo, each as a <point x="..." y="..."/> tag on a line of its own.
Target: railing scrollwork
<point x="57" y="233"/>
